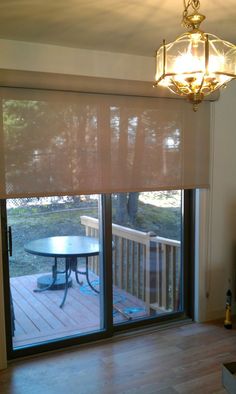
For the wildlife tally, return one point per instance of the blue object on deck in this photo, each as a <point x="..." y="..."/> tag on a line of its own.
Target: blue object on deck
<point x="86" y="289"/>
<point x="135" y="309"/>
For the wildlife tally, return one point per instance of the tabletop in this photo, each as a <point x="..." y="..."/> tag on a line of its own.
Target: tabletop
<point x="64" y="246"/>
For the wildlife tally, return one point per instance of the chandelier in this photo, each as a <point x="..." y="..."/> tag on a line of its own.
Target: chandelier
<point x="196" y="63"/>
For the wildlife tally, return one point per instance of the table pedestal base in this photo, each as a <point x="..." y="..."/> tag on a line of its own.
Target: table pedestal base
<point x="44" y="281"/>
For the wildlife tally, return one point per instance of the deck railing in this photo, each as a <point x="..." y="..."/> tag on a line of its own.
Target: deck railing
<point x="146" y="266"/>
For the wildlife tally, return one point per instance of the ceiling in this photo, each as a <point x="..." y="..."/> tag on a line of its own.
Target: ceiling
<point x="126" y="26"/>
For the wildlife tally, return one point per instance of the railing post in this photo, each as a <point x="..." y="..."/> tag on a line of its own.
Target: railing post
<point x="152" y="279"/>
<point x="164" y="276"/>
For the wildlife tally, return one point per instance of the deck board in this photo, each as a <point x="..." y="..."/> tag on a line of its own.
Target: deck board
<point x="42" y="310"/>
<point x="46" y="300"/>
<point x="73" y="310"/>
<point x="38" y="317"/>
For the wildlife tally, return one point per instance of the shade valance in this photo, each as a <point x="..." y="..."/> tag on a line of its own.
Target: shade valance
<point x="55" y="143"/>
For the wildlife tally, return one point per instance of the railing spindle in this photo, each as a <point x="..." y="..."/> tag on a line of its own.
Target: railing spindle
<point x="120" y="267"/>
<point x="171" y="282"/>
<point x="132" y="266"/>
<point x="138" y="270"/>
<point x="174" y="285"/>
<point x="164" y="275"/>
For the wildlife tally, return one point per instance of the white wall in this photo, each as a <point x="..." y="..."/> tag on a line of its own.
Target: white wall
<point x="222" y="242"/>
<point x="217" y="226"/>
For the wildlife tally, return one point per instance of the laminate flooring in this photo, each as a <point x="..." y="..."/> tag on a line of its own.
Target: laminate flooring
<point x="186" y="358"/>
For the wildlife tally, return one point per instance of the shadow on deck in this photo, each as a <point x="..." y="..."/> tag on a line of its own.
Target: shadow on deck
<point x="39" y="318"/>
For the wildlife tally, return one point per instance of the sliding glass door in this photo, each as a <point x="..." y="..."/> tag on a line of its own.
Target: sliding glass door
<point x="76" y="268"/>
<point x="147" y="257"/>
<point x="54" y="269"/>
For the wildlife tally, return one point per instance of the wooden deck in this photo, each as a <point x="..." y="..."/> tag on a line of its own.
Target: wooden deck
<point x="38" y="317"/>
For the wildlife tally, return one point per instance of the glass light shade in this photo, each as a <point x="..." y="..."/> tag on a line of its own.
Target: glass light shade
<point x="195" y="65"/>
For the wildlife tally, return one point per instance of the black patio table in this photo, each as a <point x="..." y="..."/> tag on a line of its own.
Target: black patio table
<point x="69" y="247"/>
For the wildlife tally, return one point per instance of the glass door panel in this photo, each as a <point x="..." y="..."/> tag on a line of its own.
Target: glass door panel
<point x="147" y="263"/>
<point x="54" y="269"/>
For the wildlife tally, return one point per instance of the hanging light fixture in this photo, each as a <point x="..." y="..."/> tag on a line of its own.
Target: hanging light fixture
<point x="196" y="63"/>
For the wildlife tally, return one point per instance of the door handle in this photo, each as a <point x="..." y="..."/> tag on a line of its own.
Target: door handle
<point x="9" y="241"/>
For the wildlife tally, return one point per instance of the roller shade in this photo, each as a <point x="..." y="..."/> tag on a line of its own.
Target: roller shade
<point x="55" y="143"/>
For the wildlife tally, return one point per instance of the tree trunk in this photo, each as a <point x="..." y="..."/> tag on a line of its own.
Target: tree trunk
<point x="121" y="211"/>
<point x="132" y="206"/>
<point x="127" y="208"/>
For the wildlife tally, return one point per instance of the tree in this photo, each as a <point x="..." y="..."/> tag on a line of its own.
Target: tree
<point x="127" y="208"/>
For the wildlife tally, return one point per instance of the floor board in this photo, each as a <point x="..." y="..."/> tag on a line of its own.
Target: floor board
<point x="184" y="359"/>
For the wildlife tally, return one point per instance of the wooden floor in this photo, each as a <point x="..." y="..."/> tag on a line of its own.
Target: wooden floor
<point x="184" y="359"/>
<point x="39" y="318"/>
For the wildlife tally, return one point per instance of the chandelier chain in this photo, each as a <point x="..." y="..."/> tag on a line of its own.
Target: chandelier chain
<point x="195" y="4"/>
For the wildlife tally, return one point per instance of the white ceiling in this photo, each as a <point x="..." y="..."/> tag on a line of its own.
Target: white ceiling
<point x="126" y="26"/>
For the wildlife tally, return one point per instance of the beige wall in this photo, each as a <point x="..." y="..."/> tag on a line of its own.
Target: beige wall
<point x="217" y="235"/>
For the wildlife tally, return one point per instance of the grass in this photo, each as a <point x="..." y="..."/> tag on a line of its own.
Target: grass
<point x="40" y="221"/>
<point x="28" y="226"/>
<point x="164" y="222"/>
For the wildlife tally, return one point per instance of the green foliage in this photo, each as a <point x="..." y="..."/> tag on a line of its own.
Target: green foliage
<point x="38" y="221"/>
<point x="164" y="222"/>
<point x="154" y="216"/>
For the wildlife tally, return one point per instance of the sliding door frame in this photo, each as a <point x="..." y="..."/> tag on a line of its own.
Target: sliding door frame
<point x="105" y="294"/>
<point x="187" y="256"/>
<point x="6" y="275"/>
